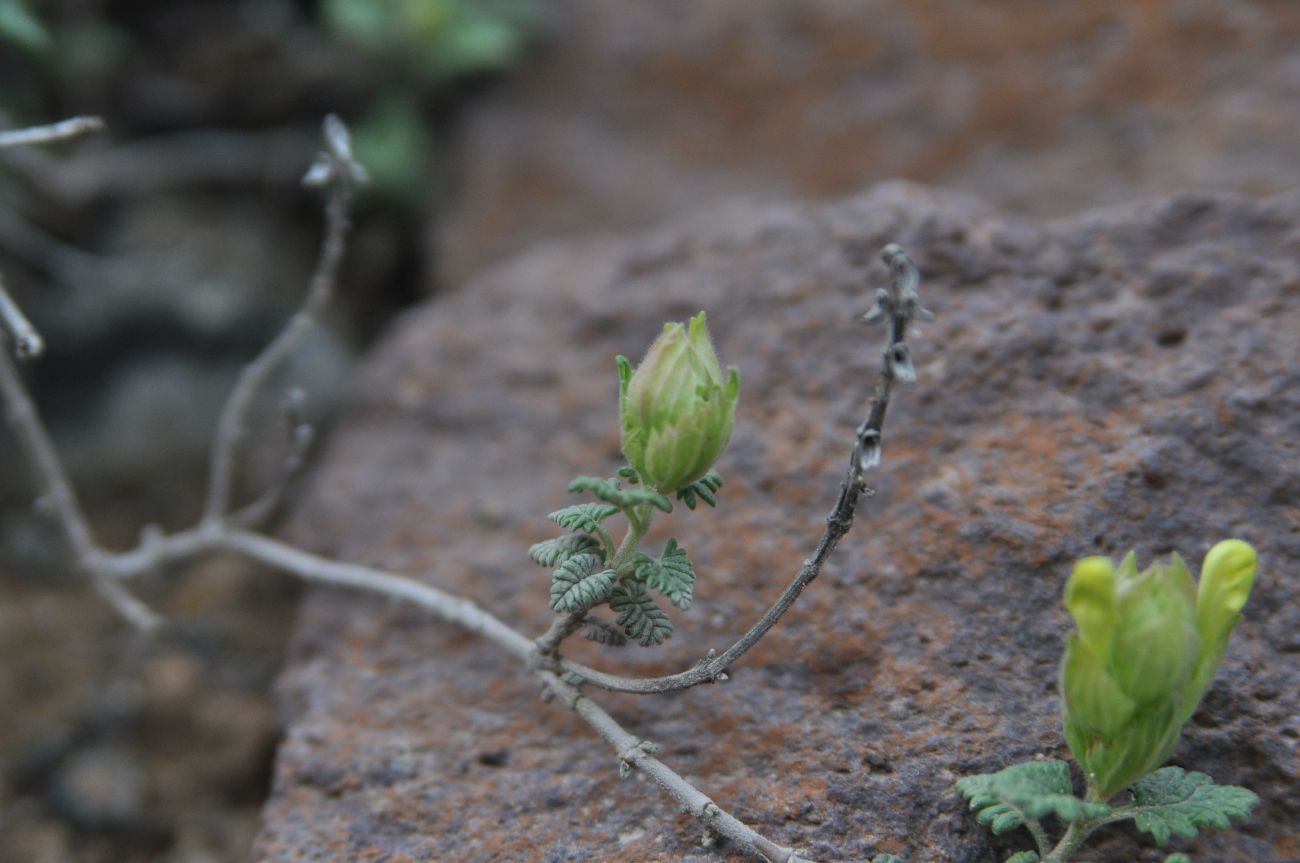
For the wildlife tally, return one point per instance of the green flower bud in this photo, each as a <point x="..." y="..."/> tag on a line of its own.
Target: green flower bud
<point x="1227" y="575"/>
<point x="1147" y="647"/>
<point x="676" y="409"/>
<point x="1155" y="643"/>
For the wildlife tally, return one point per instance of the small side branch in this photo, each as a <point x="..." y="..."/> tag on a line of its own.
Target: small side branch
<point x="58" y="496"/>
<point x="61" y="131"/>
<point x="28" y="344"/>
<point x="336" y="169"/>
<point x="898" y="307"/>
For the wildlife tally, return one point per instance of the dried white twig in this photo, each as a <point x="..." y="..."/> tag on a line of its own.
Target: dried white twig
<point x="28" y="344"/>
<point x="64" y="129"/>
<point x="219" y="531"/>
<point x="335" y="169"/>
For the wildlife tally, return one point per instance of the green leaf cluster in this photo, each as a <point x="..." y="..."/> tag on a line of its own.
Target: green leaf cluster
<point x="1167" y="802"/>
<point x="590" y="569"/>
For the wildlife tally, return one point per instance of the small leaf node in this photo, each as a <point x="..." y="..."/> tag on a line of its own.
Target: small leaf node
<point x="705" y="488"/>
<point x="1172" y="801"/>
<point x="639" y="615"/>
<point x="580" y="583"/>
<point x="672" y="574"/>
<point x="603" y="632"/>
<point x="553" y="552"/>
<point x="1024" y="792"/>
<point x="583" y="517"/>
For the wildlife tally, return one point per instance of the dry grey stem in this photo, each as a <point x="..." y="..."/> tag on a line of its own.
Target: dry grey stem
<point x="60" y="131"/>
<point x="220" y="531"/>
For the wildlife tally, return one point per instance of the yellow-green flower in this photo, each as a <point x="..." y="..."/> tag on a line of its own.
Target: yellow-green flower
<point x="676" y="409"/>
<point x="1148" y="645"/>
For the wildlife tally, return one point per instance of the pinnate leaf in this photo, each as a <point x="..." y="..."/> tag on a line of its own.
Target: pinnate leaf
<point x="553" y="552"/>
<point x="1172" y="801"/>
<point x="602" y="632"/>
<point x="612" y="491"/>
<point x="705" y="488"/>
<point x="580" y="583"/>
<point x="672" y="574"/>
<point x="639" y="615"/>
<point x="1007" y="799"/>
<point x="584" y="517"/>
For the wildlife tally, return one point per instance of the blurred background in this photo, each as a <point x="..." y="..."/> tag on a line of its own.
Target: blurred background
<point x="159" y="256"/>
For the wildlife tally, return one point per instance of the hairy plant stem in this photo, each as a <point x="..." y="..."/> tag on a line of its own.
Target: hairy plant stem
<point x="1075" y="835"/>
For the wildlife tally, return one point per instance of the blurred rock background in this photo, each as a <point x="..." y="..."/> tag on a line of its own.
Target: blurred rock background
<point x="156" y="258"/>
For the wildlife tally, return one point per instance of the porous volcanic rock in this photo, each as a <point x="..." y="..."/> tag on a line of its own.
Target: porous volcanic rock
<point x="1126" y="378"/>
<point x="628" y="113"/>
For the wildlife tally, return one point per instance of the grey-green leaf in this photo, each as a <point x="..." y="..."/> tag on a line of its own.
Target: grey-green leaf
<point x="603" y="633"/>
<point x="1178" y="858"/>
<point x="705" y="488"/>
<point x="1172" y="801"/>
<point x="1024" y="857"/>
<point x="580" y="583"/>
<point x="553" y="552"/>
<point x="583" y="517"/>
<point x="672" y="574"/>
<point x="639" y="615"/>
<point x="1022" y="792"/>
<point x="612" y="491"/>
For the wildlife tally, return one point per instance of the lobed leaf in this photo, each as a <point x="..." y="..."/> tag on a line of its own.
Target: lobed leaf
<point x="604" y="633"/>
<point x="705" y="488"/>
<point x="580" y="583"/>
<point x="1172" y="801"/>
<point x="672" y="574"/>
<point x="583" y="517"/>
<point x="610" y="490"/>
<point x="553" y="552"/>
<point x="639" y="615"/>
<point x="1024" y="792"/>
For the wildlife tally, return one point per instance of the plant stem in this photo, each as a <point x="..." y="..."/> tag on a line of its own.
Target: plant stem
<point x="1075" y="835"/>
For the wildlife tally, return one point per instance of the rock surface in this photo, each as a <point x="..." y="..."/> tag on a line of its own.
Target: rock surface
<point x="1129" y="377"/>
<point x="630" y="113"/>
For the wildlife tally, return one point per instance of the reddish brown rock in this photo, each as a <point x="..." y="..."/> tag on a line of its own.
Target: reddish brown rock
<point x="1125" y="378"/>
<point x="631" y="112"/>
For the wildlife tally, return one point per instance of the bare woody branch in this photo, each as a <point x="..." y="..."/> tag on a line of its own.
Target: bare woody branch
<point x="898" y="307"/>
<point x="338" y="172"/>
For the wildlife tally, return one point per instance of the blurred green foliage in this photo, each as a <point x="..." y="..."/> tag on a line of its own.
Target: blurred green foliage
<point x="20" y="27"/>
<point x="434" y="40"/>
